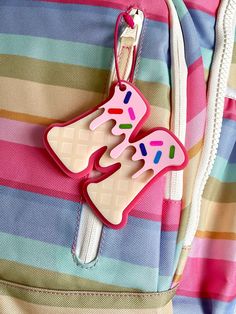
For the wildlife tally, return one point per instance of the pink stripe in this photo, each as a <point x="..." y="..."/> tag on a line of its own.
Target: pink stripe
<point x="195" y="129"/>
<point x="171" y="215"/>
<point x="150" y="206"/>
<point x="208" y="278"/>
<point x="33" y="167"/>
<point x="21" y="132"/>
<point x="196" y="90"/>
<point x="230" y="109"/>
<point x="209" y="7"/>
<point x="214" y="249"/>
<point x="143" y="215"/>
<point x="40" y="190"/>
<point x="154" y="9"/>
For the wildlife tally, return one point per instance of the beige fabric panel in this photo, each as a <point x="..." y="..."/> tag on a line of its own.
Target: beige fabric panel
<point x="11" y="305"/>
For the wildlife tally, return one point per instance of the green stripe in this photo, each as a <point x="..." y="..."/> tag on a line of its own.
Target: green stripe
<point x="59" y="259"/>
<point x="85" y="55"/>
<point x="223" y="171"/>
<point x="42" y="278"/>
<point x="74" y="76"/>
<point x="180" y="8"/>
<point x="157" y="94"/>
<point x="151" y="70"/>
<point x="164" y="282"/>
<point x="207" y="55"/>
<point x="217" y="191"/>
<point x="51" y="73"/>
<point x="56" y="50"/>
<point x="90" y="300"/>
<point x="183" y="223"/>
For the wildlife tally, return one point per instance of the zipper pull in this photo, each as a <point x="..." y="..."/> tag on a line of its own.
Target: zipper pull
<point x="134" y="33"/>
<point x="128" y="41"/>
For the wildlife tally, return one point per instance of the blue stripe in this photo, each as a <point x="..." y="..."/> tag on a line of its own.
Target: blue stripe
<point x="224" y="171"/>
<point x="53" y="220"/>
<point x="205" y="26"/>
<point x="38" y="217"/>
<point x="191" y="40"/>
<point x="156" y="41"/>
<point x="137" y="243"/>
<point x="227" y="145"/>
<point x="186" y="305"/>
<point x="167" y="252"/>
<point x="86" y="24"/>
<point x="59" y="259"/>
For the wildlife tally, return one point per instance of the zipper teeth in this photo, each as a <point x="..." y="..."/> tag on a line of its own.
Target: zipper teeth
<point x="221" y="61"/>
<point x="174" y="184"/>
<point x="88" y="236"/>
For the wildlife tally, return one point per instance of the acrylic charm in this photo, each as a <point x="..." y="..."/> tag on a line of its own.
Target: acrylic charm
<point x="108" y="139"/>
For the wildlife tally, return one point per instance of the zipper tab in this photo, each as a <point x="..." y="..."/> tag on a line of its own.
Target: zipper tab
<point x="134" y="33"/>
<point x="129" y="39"/>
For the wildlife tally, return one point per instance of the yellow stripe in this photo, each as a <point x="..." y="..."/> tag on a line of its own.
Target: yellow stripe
<point x="232" y="76"/>
<point x="44" y="104"/>
<point x="189" y="179"/>
<point x="217" y="217"/>
<point x="216" y="235"/>
<point x="195" y="149"/>
<point x="182" y="262"/>
<point x="48" y="101"/>
<point x="26" y="117"/>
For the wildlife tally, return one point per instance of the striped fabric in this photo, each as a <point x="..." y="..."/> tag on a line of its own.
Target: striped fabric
<point x="212" y="259"/>
<point x="55" y="61"/>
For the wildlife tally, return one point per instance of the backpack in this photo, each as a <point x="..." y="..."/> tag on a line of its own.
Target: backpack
<point x="175" y="252"/>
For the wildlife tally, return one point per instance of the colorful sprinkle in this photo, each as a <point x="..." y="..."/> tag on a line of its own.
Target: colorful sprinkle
<point x="131" y="113"/>
<point x="156" y="143"/>
<point x="157" y="157"/>
<point x="143" y="149"/>
<point x="172" y="152"/>
<point x="115" y="111"/>
<point x="125" y="126"/>
<point x="127" y="97"/>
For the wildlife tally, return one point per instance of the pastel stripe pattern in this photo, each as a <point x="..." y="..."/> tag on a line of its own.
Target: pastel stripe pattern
<point x="55" y="61"/>
<point x="213" y="250"/>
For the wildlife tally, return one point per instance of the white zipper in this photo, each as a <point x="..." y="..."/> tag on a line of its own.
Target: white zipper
<point x="89" y="236"/>
<point x="225" y="28"/>
<point x="174" y="179"/>
<point x="90" y="227"/>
